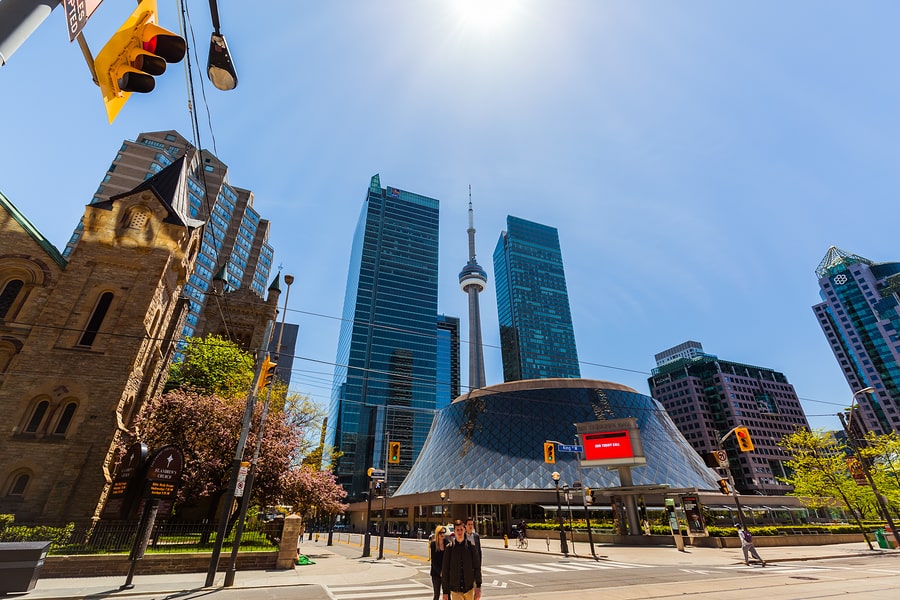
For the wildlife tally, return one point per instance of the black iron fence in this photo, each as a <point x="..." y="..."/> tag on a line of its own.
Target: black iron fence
<point x="110" y="537"/>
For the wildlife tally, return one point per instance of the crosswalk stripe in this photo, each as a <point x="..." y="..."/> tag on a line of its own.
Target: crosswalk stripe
<point x="519" y="568"/>
<point x="409" y="591"/>
<point x="574" y="566"/>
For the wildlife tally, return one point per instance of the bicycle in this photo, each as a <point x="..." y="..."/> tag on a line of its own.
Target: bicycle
<point x="522" y="541"/>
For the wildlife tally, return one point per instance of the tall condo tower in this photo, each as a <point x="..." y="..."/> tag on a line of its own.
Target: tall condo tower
<point x="537" y="339"/>
<point x="235" y="236"/>
<point x="472" y="280"/>
<point x="860" y="316"/>
<point x="386" y="373"/>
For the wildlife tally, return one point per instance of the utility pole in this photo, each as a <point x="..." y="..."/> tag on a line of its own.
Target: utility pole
<point x="228" y="499"/>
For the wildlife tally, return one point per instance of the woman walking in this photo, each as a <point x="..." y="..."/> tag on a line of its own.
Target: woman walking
<point x="436" y="548"/>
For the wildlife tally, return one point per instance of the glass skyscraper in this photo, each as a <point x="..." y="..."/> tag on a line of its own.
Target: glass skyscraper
<point x="386" y="378"/>
<point x="536" y="335"/>
<point x="447" y="360"/>
<point x="860" y="318"/>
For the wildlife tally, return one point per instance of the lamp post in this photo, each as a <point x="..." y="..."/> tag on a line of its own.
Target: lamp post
<point x="443" y="508"/>
<point x="854" y="445"/>
<point x="563" y="546"/>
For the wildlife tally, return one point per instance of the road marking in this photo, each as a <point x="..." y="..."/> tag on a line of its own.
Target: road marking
<point x="520" y="583"/>
<point x="409" y="591"/>
<point x="888" y="571"/>
<point x="697" y="571"/>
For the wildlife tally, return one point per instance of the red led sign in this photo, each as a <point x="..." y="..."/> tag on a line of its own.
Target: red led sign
<point x="608" y="445"/>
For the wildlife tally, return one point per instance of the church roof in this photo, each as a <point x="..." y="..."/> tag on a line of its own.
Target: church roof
<point x="169" y="186"/>
<point x="29" y="228"/>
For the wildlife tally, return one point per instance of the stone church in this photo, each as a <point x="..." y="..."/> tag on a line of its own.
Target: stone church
<point x="86" y="340"/>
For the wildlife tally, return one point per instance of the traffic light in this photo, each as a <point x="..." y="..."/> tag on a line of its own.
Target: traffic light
<point x="394" y="453"/>
<point x="549" y="452"/>
<point x="136" y="53"/>
<point x="379" y="489"/>
<point x="266" y="373"/>
<point x="723" y="486"/>
<point x="743" y="439"/>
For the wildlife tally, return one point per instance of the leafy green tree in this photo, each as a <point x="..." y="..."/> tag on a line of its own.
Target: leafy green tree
<point x="882" y="452"/>
<point x="819" y="472"/>
<point x="213" y="365"/>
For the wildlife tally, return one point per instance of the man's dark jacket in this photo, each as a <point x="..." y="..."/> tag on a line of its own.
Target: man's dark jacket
<point x="461" y="555"/>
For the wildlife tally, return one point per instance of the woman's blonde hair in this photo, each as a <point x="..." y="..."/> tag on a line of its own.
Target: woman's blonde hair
<point x="439" y="536"/>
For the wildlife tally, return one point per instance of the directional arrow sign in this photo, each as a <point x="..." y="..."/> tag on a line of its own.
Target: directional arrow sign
<point x="564" y="448"/>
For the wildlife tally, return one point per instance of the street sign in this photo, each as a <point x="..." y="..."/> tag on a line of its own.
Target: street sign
<point x="77" y="14"/>
<point x="374" y="473"/>
<point x="565" y="448"/>
<point x="722" y="457"/>
<point x="241" y="480"/>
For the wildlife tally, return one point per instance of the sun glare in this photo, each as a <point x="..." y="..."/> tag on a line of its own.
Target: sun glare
<point x="486" y="14"/>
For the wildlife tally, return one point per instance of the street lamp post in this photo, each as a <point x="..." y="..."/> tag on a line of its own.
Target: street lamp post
<point x="563" y="546"/>
<point x="444" y="508"/>
<point x="854" y="445"/>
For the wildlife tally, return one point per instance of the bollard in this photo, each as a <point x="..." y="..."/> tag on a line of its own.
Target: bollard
<point x="505" y="541"/>
<point x="398" y="544"/>
<point x="317" y="537"/>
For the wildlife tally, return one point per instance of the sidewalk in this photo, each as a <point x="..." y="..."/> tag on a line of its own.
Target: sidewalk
<point x="332" y="567"/>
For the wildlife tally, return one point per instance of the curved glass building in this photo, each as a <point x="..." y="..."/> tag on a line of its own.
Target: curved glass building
<point x="492" y="439"/>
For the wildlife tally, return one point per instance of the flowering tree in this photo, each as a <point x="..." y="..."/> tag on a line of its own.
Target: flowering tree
<point x="204" y="418"/>
<point x="311" y="491"/>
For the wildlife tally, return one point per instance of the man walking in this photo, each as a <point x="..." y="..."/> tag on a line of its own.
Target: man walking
<point x="461" y="571"/>
<point x="471" y="534"/>
<point x="747" y="546"/>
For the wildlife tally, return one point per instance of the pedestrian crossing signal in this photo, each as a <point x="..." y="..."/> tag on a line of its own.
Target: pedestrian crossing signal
<point x="723" y="486"/>
<point x="549" y="452"/>
<point x="394" y="453"/>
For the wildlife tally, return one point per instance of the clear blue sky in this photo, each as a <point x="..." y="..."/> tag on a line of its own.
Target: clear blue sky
<point x="697" y="157"/>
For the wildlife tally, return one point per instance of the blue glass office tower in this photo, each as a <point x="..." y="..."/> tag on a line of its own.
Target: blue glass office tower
<point x="537" y="339"/>
<point x="385" y="374"/>
<point x="860" y="318"/>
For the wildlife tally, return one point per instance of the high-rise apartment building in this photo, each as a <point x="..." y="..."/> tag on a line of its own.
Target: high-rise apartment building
<point x="385" y="378"/>
<point x="235" y="236"/>
<point x="706" y="397"/>
<point x="860" y="318"/>
<point x="536" y="335"/>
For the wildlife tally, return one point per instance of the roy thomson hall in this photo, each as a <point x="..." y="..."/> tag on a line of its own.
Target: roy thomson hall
<point x="484" y="457"/>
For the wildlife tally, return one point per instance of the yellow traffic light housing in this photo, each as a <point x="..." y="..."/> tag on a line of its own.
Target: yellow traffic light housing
<point x="394" y="453"/>
<point x="743" y="439"/>
<point x="266" y="373"/>
<point x="137" y="52"/>
<point x="723" y="486"/>
<point x="549" y="452"/>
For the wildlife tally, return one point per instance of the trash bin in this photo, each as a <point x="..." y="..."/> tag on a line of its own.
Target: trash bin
<point x="20" y="565"/>
<point x="882" y="541"/>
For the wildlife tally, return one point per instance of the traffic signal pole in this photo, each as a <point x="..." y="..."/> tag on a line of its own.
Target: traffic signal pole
<point x="734" y="494"/>
<point x="228" y="499"/>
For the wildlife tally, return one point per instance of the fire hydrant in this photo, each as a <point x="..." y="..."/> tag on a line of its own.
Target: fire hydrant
<point x="505" y="541"/>
<point x="317" y="537"/>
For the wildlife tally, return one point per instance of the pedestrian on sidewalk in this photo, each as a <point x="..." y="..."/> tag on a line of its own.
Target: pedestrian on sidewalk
<point x="471" y="534"/>
<point x="436" y="545"/>
<point x="461" y="570"/>
<point x="747" y="545"/>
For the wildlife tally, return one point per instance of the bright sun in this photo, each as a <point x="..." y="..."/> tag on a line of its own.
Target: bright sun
<point x="486" y="14"/>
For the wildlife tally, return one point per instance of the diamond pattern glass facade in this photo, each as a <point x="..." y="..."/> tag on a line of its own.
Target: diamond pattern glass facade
<point x="493" y="439"/>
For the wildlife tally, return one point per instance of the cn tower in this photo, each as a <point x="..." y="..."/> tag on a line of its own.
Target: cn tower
<point x="472" y="280"/>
